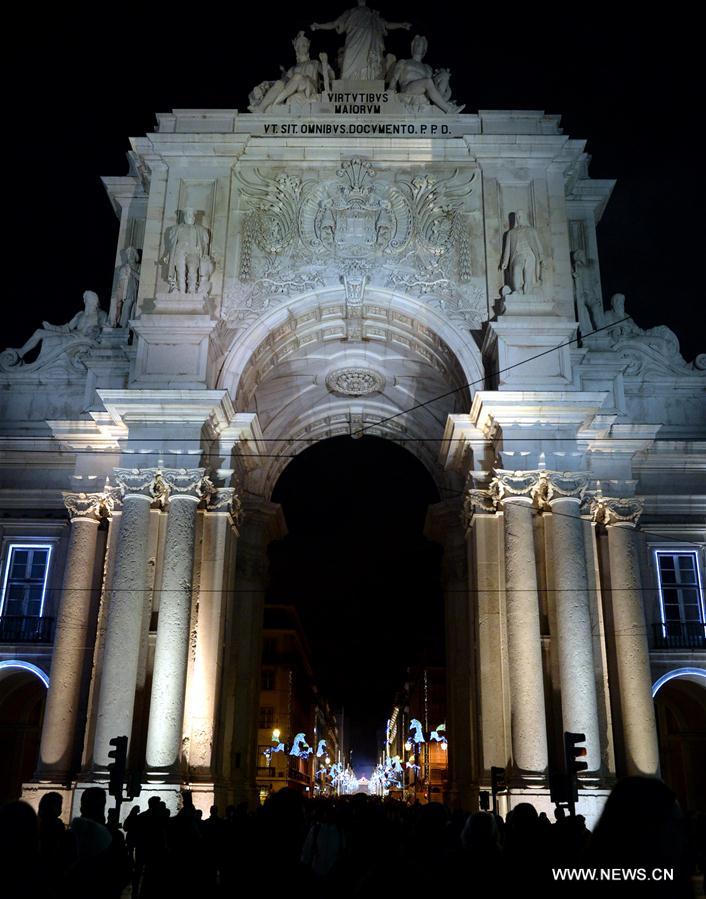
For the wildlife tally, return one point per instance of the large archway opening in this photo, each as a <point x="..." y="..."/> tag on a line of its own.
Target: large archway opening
<point x="361" y="574"/>
<point x="680" y="709"/>
<point x="23" y="690"/>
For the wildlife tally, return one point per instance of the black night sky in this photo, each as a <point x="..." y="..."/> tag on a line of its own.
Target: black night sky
<point x="79" y="83"/>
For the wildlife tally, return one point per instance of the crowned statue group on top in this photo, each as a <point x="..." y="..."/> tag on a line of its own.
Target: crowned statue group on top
<point x="362" y="58"/>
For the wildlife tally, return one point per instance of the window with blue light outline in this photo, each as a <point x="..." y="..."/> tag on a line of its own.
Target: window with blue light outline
<point x="681" y="594"/>
<point x="24" y="584"/>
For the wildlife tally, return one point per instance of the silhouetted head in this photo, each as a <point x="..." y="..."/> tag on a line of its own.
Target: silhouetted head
<point x="153" y="803"/>
<point x="19" y="833"/>
<point x="50" y="805"/>
<point x="480" y="832"/>
<point x="641" y="821"/>
<point x="93" y="804"/>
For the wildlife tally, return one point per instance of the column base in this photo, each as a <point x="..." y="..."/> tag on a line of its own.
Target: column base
<point x="204" y="795"/>
<point x="590" y="803"/>
<point x="32" y="794"/>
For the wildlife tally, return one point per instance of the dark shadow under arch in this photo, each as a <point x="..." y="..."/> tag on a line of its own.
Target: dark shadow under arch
<point x="365" y="580"/>
<point x="680" y="708"/>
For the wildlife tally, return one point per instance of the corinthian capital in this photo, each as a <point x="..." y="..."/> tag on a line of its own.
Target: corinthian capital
<point x="161" y="483"/>
<point x="95" y="506"/>
<point x="610" y="510"/>
<point x="226" y="499"/>
<point x="477" y="501"/>
<point x="541" y="486"/>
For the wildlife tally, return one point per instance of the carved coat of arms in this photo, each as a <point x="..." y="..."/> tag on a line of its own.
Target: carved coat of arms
<point x="408" y="232"/>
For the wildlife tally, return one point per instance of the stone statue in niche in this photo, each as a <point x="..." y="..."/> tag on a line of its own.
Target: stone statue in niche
<point x="126" y="289"/>
<point x="83" y="329"/>
<point x="302" y="81"/>
<point x="189" y="266"/>
<point x="364" y="50"/>
<point x="522" y="256"/>
<point x="589" y="305"/>
<point x="414" y="78"/>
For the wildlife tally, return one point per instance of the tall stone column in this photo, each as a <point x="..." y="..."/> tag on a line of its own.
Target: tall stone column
<point x="208" y="721"/>
<point x="70" y="641"/>
<point x="182" y="494"/>
<point x="574" y="637"/>
<point x="262" y="523"/>
<point x="443" y="525"/>
<point x="632" y="657"/>
<point x="529" y="730"/>
<point x="129" y="592"/>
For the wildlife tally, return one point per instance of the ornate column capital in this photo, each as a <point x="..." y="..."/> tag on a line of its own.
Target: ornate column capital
<point x="614" y="510"/>
<point x="93" y="506"/>
<point x="476" y="500"/>
<point x="540" y="486"/>
<point x="225" y="499"/>
<point x="159" y="484"/>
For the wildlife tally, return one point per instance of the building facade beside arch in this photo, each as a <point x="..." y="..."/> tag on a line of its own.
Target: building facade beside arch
<point x="322" y="266"/>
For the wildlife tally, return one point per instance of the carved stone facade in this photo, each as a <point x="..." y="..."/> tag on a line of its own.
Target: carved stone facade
<point x="355" y="259"/>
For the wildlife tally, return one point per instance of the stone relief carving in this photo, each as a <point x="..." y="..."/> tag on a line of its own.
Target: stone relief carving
<point x="126" y="289"/>
<point x="647" y="349"/>
<point x="361" y="227"/>
<point x="363" y="54"/>
<point x="522" y="256"/>
<point x="417" y="82"/>
<point x="68" y="344"/>
<point x="189" y="267"/>
<point x="301" y="82"/>
<point x="355" y="381"/>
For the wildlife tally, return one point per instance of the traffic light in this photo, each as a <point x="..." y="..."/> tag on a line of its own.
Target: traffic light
<point x="117" y="768"/>
<point x="497" y="780"/>
<point x="134" y="784"/>
<point x="575" y="753"/>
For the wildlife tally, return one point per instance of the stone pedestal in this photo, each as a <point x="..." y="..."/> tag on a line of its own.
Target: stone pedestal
<point x="526" y="351"/>
<point x="71" y="639"/>
<point x="172" y="349"/>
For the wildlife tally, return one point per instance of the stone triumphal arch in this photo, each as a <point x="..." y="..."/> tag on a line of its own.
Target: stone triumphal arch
<point x="353" y="257"/>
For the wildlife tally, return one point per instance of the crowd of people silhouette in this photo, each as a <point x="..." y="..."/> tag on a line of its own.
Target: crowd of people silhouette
<point x="349" y="847"/>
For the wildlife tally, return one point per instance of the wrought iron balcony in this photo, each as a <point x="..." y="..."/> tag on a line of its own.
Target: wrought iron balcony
<point x="679" y="635"/>
<point x="26" y="629"/>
